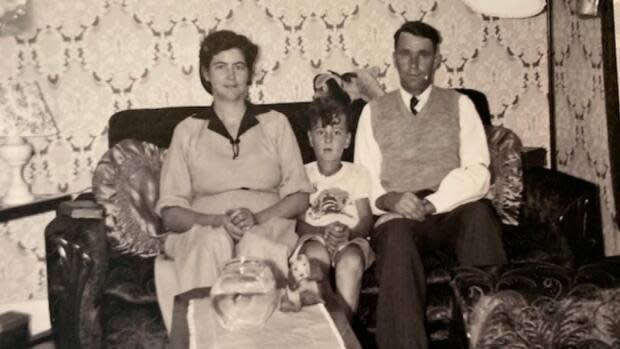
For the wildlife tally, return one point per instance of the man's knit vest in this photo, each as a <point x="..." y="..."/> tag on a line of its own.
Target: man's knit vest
<point x="418" y="150"/>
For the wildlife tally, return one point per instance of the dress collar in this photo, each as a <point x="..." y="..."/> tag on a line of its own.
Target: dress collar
<point x="216" y="125"/>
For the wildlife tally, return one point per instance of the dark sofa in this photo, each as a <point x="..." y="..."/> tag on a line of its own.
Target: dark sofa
<point x="101" y="298"/>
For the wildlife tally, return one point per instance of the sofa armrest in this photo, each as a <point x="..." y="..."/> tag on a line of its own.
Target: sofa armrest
<point x="77" y="259"/>
<point x="560" y="217"/>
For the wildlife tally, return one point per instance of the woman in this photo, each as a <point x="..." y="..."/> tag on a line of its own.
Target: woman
<point x="222" y="195"/>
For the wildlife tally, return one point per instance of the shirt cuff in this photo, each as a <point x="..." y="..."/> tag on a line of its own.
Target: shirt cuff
<point x="375" y="210"/>
<point x="442" y="203"/>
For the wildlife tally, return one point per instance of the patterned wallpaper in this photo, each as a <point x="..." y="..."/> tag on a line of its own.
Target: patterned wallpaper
<point x="581" y="125"/>
<point x="95" y="57"/>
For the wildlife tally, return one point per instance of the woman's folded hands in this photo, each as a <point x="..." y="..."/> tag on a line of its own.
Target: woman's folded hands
<point x="237" y="221"/>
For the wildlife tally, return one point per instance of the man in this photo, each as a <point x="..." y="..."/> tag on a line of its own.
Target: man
<point x="426" y="151"/>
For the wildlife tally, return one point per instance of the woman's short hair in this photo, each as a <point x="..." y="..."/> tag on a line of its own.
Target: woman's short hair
<point x="329" y="111"/>
<point x="223" y="40"/>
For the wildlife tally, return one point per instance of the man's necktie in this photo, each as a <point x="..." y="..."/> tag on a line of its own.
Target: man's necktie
<point x="412" y="104"/>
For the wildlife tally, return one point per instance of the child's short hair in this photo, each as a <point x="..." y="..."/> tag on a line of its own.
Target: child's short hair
<point x="328" y="111"/>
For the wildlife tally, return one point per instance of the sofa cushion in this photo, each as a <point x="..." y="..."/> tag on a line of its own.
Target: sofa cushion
<point x="126" y="184"/>
<point x="506" y="173"/>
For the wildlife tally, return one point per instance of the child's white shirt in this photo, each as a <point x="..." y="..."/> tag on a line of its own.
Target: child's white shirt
<point x="334" y="196"/>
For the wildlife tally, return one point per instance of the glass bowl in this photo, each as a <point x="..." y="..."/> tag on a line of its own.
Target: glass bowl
<point x="244" y="295"/>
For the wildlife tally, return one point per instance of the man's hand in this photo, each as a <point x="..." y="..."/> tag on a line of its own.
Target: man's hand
<point x="242" y="218"/>
<point x="410" y="206"/>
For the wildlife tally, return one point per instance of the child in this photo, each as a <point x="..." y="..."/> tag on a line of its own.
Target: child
<point x="334" y="227"/>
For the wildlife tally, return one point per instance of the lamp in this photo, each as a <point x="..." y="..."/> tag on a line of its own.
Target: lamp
<point x="507" y="8"/>
<point x="23" y="113"/>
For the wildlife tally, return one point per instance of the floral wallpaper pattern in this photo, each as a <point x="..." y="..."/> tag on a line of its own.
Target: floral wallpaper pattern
<point x="95" y="57"/>
<point x="581" y="124"/>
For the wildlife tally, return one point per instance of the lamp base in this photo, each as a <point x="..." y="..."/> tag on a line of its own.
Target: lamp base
<point x="16" y="152"/>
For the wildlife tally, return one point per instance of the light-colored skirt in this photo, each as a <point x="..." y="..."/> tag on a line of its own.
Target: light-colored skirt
<point x="196" y="257"/>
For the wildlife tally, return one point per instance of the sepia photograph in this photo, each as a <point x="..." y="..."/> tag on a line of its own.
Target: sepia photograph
<point x="351" y="174"/>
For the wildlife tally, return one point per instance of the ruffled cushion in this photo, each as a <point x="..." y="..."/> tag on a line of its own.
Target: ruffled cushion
<point x="126" y="184"/>
<point x="506" y="173"/>
<point x="588" y="318"/>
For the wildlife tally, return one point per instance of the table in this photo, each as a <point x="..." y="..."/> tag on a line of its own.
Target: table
<point x="41" y="203"/>
<point x="179" y="335"/>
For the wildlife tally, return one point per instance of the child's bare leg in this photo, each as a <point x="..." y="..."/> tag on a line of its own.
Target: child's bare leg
<point x="317" y="251"/>
<point x="349" y="269"/>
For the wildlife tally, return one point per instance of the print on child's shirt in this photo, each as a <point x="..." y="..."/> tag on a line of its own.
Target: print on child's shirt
<point x="329" y="201"/>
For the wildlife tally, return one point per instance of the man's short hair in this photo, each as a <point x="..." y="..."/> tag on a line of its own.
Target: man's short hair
<point x="419" y="28"/>
<point x="329" y="111"/>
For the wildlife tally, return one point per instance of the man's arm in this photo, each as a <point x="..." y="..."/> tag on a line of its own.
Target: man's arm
<point x="368" y="154"/>
<point x="470" y="181"/>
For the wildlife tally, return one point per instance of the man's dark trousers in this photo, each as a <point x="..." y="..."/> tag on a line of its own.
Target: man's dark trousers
<point x="472" y="231"/>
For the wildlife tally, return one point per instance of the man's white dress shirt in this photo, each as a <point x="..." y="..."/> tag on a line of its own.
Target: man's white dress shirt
<point x="467" y="183"/>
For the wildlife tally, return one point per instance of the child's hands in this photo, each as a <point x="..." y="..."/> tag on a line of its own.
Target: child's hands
<point x="336" y="234"/>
